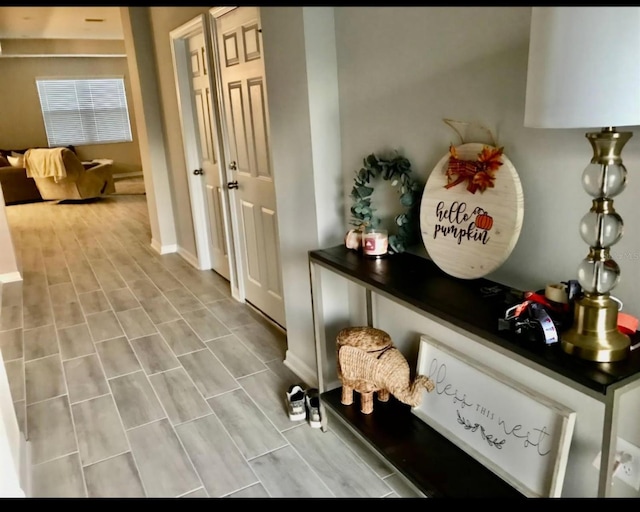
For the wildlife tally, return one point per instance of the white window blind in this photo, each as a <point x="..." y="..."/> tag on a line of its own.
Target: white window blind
<point x="84" y="111"/>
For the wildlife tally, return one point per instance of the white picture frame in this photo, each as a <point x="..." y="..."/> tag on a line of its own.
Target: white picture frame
<point x="514" y="431"/>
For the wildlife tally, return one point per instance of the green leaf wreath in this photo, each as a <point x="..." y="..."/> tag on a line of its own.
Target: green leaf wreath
<point x="396" y="170"/>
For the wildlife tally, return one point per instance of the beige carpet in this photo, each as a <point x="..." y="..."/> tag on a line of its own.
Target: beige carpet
<point x="130" y="186"/>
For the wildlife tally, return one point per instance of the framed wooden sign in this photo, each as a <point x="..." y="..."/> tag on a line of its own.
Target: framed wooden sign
<point x="471" y="210"/>
<point x="520" y="435"/>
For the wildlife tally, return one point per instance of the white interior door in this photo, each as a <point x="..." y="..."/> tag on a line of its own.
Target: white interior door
<point x="245" y="119"/>
<point x="198" y="107"/>
<point x="202" y="100"/>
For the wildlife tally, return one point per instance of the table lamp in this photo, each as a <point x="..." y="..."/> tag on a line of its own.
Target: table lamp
<point x="584" y="72"/>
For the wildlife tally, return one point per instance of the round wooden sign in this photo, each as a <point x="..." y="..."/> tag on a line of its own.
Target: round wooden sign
<point x="471" y="210"/>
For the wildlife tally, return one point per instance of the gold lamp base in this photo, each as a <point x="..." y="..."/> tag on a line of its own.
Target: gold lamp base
<point x="594" y="335"/>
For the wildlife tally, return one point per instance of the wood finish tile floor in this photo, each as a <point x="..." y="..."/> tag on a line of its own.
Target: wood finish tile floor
<point x="136" y="375"/>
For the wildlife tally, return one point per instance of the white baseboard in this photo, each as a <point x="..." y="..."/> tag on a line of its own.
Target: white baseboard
<point x="163" y="249"/>
<point x="10" y="277"/>
<point x="301" y="369"/>
<point x="190" y="258"/>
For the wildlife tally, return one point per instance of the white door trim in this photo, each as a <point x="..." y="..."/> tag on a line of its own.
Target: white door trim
<point x="216" y="12"/>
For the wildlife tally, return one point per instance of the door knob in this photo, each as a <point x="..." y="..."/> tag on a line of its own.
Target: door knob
<point x="198" y="172"/>
<point x="232" y="184"/>
<point x="233" y="166"/>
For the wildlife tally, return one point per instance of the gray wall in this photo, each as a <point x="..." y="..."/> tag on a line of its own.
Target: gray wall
<point x="400" y="71"/>
<point x="163" y="21"/>
<point x="305" y="147"/>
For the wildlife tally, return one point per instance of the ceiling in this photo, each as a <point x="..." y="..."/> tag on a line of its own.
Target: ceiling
<point x="39" y="22"/>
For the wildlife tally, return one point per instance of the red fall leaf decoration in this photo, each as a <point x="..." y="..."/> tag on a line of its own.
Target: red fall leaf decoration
<point x="480" y="173"/>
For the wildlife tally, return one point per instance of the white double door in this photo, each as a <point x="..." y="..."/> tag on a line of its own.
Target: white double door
<point x="239" y="181"/>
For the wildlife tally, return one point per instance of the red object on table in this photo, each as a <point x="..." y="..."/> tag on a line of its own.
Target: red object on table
<point x="541" y="299"/>
<point x="627" y="324"/>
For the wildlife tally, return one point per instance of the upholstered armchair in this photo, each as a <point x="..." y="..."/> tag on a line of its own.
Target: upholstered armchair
<point x="59" y="174"/>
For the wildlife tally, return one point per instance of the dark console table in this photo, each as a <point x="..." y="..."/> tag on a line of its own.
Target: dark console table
<point x="432" y="463"/>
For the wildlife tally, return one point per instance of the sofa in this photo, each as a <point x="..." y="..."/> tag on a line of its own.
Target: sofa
<point x="84" y="180"/>
<point x="16" y="186"/>
<point x="77" y="180"/>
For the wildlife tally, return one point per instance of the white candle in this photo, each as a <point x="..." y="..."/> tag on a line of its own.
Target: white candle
<point x="375" y="242"/>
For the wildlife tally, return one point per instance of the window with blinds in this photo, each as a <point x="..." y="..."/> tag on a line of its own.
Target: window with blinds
<point x="84" y="111"/>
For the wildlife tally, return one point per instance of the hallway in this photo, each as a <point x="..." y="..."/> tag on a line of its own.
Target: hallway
<point x="134" y="374"/>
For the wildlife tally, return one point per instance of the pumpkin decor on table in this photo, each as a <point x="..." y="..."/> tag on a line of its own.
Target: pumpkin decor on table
<point x="353" y="239"/>
<point x="395" y="170"/>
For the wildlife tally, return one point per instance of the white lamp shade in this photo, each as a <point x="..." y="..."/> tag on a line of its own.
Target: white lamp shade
<point x="584" y="67"/>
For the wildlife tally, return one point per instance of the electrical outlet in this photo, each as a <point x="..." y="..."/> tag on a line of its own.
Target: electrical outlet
<point x="628" y="459"/>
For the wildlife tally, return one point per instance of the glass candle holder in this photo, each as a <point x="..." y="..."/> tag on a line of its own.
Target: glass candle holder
<point x="375" y="242"/>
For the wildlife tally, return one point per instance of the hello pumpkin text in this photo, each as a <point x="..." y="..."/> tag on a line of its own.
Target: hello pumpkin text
<point x="455" y="221"/>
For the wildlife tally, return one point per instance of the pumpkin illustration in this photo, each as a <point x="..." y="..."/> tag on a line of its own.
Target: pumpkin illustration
<point x="484" y="221"/>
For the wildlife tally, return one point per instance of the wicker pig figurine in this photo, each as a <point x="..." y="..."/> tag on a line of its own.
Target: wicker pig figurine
<point x="368" y="362"/>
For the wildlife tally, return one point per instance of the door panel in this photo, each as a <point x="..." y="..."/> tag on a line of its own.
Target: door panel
<point x="272" y="253"/>
<point x="258" y="123"/>
<point x="246" y="116"/>
<point x="215" y="206"/>
<point x="204" y="130"/>
<point x="238" y="123"/>
<point x="251" y="40"/>
<point x="251" y="242"/>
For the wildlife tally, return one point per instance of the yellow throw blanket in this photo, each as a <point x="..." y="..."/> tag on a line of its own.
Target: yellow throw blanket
<point x="45" y="163"/>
